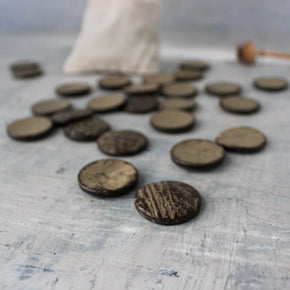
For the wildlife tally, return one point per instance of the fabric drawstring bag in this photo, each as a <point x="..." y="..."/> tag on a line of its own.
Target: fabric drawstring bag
<point x="117" y="36"/>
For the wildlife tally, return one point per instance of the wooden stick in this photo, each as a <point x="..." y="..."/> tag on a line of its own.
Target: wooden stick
<point x="274" y="54"/>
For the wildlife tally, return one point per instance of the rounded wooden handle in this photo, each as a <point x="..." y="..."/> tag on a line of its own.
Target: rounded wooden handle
<point x="274" y="54"/>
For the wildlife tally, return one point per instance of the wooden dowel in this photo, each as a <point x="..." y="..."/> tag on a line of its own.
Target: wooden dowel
<point x="274" y="54"/>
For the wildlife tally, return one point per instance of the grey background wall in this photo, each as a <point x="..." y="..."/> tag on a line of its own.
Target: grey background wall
<point x="176" y="15"/>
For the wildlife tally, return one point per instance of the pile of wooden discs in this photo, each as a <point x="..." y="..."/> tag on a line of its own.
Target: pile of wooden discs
<point x="163" y="202"/>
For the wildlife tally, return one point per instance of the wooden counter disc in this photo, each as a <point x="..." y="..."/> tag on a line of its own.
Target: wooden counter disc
<point x="139" y="105"/>
<point x="107" y="103"/>
<point x="160" y="79"/>
<point x="177" y="104"/>
<point x="198" y="65"/>
<point x="26" y="74"/>
<point x="197" y="153"/>
<point x="179" y="90"/>
<point x="24" y="65"/>
<point x="63" y="118"/>
<point x="172" y="121"/>
<point x="26" y="69"/>
<point x="114" y="82"/>
<point x="142" y="89"/>
<point x="239" y="105"/>
<point x="271" y="84"/>
<point x="187" y="75"/>
<point x="49" y="107"/>
<point x="122" y="143"/>
<point x="241" y="139"/>
<point x="30" y="128"/>
<point x="108" y="177"/>
<point x="86" y="130"/>
<point x="222" y="89"/>
<point x="74" y="89"/>
<point x="168" y="202"/>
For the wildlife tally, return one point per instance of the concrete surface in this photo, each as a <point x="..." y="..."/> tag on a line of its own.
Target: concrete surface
<point x="54" y="236"/>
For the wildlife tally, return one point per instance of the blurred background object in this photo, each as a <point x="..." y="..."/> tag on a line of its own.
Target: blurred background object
<point x="266" y="16"/>
<point x="117" y="36"/>
<point x="222" y="23"/>
<point x="248" y="52"/>
<point x="248" y="15"/>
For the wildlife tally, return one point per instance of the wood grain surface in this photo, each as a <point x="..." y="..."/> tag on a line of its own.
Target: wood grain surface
<point x="122" y="142"/>
<point x="168" y="202"/>
<point x="108" y="177"/>
<point x="86" y="130"/>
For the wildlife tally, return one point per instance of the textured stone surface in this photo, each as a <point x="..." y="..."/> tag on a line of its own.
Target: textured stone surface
<point x="52" y="235"/>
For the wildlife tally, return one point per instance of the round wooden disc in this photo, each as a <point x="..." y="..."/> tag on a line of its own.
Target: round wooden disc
<point x="222" y="89"/>
<point x="142" y="89"/>
<point x="177" y="104"/>
<point x="30" y="128"/>
<point x="198" y="65"/>
<point x="179" y="90"/>
<point x="73" y="89"/>
<point x="107" y="103"/>
<point x="24" y="65"/>
<point x="28" y="73"/>
<point x="114" y="82"/>
<point x="139" y="105"/>
<point x="239" y="105"/>
<point x="168" y="202"/>
<point x="172" y="121"/>
<point x="65" y="117"/>
<point x="122" y="143"/>
<point x="159" y="78"/>
<point x="49" y="107"/>
<point x="187" y="75"/>
<point x="86" y="130"/>
<point x="271" y="84"/>
<point x="241" y="139"/>
<point x="197" y="153"/>
<point x="108" y="177"/>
